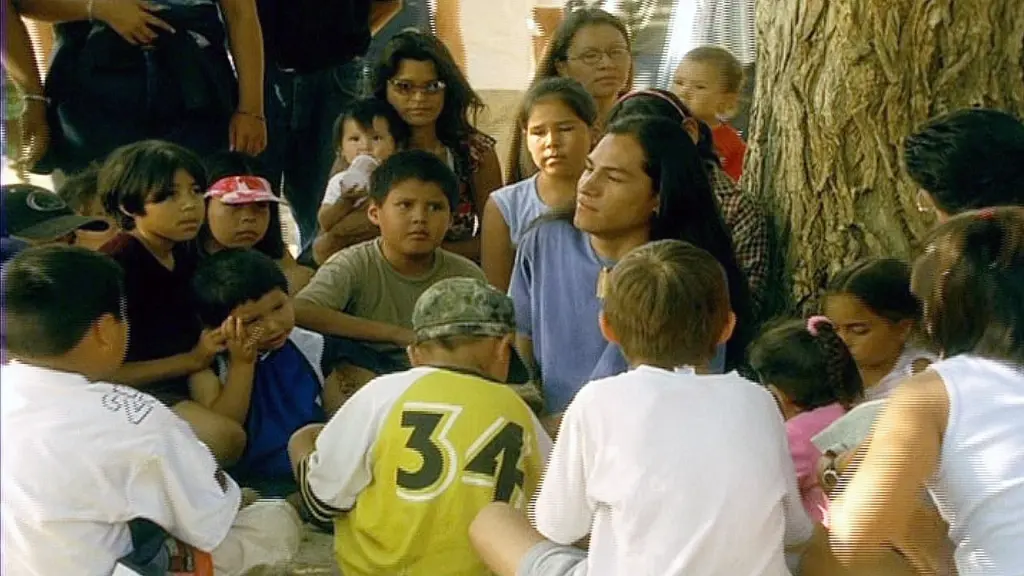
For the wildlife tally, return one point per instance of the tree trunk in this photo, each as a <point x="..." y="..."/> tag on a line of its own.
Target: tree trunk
<point x="839" y="87"/>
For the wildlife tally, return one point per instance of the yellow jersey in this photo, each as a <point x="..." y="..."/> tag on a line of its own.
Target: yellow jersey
<point x="408" y="462"/>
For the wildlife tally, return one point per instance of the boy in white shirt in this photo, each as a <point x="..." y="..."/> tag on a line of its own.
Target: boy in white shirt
<point x="81" y="459"/>
<point x="668" y="470"/>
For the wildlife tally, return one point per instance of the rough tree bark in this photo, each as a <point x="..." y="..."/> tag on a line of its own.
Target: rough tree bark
<point x="840" y="84"/>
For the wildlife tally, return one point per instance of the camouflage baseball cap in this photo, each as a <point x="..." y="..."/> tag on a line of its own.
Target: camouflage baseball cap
<point x="467" y="307"/>
<point x="462" y="307"/>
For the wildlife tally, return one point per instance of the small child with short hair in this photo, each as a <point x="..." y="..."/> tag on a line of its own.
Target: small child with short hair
<point x="269" y="381"/>
<point x="370" y="128"/>
<point x="668" y="469"/>
<point x="876" y="315"/>
<point x="363" y="297"/>
<point x="81" y="193"/>
<point x="815" y="381"/>
<point x="709" y="80"/>
<point x="157" y="188"/>
<point x="84" y="459"/>
<point x="405" y="465"/>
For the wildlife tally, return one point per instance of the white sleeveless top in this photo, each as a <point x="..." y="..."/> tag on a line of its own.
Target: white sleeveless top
<point x="979" y="487"/>
<point x="903" y="369"/>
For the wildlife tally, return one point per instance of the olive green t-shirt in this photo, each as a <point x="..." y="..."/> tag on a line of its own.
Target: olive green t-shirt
<point x="360" y="281"/>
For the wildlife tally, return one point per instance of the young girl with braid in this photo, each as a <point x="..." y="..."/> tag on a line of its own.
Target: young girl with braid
<point x="815" y="381"/>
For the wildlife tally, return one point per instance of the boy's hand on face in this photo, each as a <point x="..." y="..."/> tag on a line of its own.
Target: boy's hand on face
<point x="211" y="342"/>
<point x="242" y="344"/>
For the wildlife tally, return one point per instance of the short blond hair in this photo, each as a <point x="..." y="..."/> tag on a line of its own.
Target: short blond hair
<point x="724" y="61"/>
<point x="667" y="303"/>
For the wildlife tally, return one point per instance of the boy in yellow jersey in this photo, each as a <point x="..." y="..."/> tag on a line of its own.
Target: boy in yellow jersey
<point x="407" y="463"/>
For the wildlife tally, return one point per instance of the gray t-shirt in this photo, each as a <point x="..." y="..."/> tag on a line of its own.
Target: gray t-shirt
<point x="360" y="281"/>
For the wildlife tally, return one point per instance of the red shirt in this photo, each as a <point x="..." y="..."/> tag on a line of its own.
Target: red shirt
<point x="731" y="149"/>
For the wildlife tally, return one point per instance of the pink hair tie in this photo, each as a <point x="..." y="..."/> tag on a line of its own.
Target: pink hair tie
<point x="814" y="321"/>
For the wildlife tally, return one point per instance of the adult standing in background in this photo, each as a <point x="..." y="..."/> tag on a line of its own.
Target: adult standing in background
<point x="21" y="66"/>
<point x="314" y="67"/>
<point x="130" y="70"/>
<point x="592" y="47"/>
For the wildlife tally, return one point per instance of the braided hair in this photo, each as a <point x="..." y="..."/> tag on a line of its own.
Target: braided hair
<point x="793" y="356"/>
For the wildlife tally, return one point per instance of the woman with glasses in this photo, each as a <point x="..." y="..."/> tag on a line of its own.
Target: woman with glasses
<point x="418" y="77"/>
<point x="592" y="47"/>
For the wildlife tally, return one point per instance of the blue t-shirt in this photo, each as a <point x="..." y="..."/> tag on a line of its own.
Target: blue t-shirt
<point x="554" y="286"/>
<point x="286" y="395"/>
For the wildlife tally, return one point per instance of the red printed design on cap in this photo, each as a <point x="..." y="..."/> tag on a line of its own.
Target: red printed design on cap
<point x="242" y="190"/>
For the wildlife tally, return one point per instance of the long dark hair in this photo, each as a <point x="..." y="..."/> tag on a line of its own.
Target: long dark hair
<point x="971" y="284"/>
<point x="665" y="104"/>
<point x="457" y="121"/>
<point x="808" y="362"/>
<point x="687" y="211"/>
<point x="520" y="166"/>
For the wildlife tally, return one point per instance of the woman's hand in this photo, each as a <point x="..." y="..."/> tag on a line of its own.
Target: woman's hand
<point x="211" y="343"/>
<point x="248" y="133"/>
<point x="133" y="20"/>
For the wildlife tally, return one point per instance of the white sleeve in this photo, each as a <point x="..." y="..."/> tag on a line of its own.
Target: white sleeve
<point x="562" y="511"/>
<point x="340" y="467"/>
<point x="179" y="486"/>
<point x="333" y="191"/>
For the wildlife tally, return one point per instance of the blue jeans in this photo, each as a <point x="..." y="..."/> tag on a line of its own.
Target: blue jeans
<point x="301" y="110"/>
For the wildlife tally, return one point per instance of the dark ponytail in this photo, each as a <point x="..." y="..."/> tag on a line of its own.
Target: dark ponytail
<point x="808" y="362"/>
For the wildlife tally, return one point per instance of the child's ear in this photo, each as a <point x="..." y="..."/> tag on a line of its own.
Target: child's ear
<point x="606" y="329"/>
<point x="373" y="212"/>
<point x="727" y="331"/>
<point x="109" y="332"/>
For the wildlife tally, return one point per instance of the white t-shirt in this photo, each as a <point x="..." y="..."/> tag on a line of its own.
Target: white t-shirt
<point x="674" y="473"/>
<point x="80" y="460"/>
<point x="979" y="487"/>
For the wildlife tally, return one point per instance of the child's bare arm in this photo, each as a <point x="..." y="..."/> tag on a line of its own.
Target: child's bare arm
<point x="139" y="374"/>
<point x="330" y="214"/>
<point x="230" y="400"/>
<point x="328" y="321"/>
<point x="497" y="255"/>
<point x="302" y="444"/>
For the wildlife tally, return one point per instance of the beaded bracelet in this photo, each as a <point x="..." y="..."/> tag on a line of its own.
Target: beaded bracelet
<point x="251" y="115"/>
<point x="36" y="98"/>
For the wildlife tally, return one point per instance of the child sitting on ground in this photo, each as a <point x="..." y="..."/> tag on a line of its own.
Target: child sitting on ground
<point x="157" y="188"/>
<point x="240" y="215"/>
<point x="83" y="458"/>
<point x="876" y="315"/>
<point x="362" y="297"/>
<point x="815" y="380"/>
<point x="34" y="216"/>
<point x="81" y="193"/>
<point x="270" y="380"/>
<point x="709" y="80"/>
<point x="667" y="469"/>
<point x="372" y="129"/>
<point x="410" y="459"/>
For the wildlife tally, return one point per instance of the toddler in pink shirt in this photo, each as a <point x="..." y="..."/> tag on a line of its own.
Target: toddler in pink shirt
<point x="815" y="381"/>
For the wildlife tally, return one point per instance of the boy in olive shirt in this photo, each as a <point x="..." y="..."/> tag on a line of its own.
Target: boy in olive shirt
<point x="362" y="297"/>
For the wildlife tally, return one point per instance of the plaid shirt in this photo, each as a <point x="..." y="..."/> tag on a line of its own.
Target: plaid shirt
<point x="747" y="222"/>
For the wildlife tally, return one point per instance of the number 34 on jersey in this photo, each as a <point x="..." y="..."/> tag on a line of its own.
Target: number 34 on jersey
<point x="446" y="447"/>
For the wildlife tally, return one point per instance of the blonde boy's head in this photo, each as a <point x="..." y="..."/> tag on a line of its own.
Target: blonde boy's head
<point x="667" y="305"/>
<point x="709" y="79"/>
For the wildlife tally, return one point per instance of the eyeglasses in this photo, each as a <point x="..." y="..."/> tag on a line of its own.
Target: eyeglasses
<point x="406" y="88"/>
<point x="593" y="57"/>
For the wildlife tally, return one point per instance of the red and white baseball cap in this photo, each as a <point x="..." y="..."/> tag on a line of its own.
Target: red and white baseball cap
<point x="234" y="190"/>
